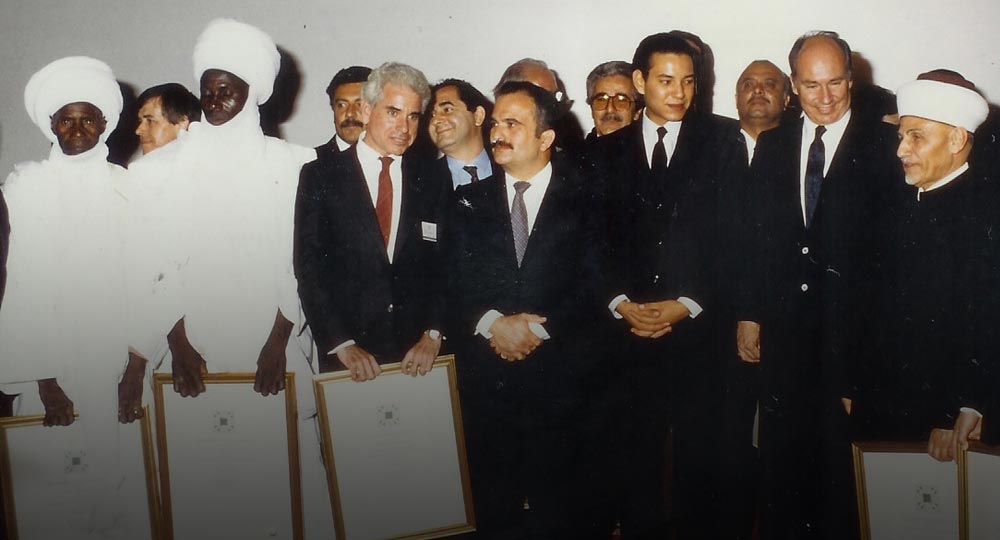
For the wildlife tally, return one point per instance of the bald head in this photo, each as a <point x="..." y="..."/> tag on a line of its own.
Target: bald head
<point x="530" y="70"/>
<point x="762" y="93"/>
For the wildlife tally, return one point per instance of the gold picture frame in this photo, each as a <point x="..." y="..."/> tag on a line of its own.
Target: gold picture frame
<point x="10" y="492"/>
<point x="979" y="486"/>
<point x="370" y="439"/>
<point x="227" y="456"/>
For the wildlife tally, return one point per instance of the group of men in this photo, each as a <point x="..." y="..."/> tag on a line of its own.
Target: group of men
<point x="625" y="308"/>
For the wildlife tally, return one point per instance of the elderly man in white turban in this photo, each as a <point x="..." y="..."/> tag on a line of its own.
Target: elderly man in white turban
<point x="929" y="371"/>
<point x="62" y="322"/>
<point x="225" y="246"/>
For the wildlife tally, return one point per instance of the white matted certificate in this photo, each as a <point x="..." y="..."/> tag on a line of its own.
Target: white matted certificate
<point x="905" y="493"/>
<point x="981" y="472"/>
<point x="48" y="474"/>
<point x="228" y="460"/>
<point x="395" y="454"/>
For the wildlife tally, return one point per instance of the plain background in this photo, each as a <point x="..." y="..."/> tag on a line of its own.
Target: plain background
<point x="148" y="43"/>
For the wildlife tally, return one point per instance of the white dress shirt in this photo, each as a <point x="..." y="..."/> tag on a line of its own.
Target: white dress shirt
<point x="371" y="167"/>
<point x="650" y="136"/>
<point x="532" y="203"/>
<point x="751" y="144"/>
<point x="831" y="141"/>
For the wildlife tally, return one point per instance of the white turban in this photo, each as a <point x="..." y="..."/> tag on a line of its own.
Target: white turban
<point x="72" y="80"/>
<point x="942" y="102"/>
<point x="241" y="49"/>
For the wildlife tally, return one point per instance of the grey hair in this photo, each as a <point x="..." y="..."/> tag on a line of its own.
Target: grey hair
<point x="609" y="69"/>
<point x="515" y="72"/>
<point x="398" y="74"/>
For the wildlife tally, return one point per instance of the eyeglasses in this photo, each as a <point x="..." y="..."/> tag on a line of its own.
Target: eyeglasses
<point x="619" y="101"/>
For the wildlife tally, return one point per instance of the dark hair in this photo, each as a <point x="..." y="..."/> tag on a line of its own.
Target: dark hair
<point x="176" y="102"/>
<point x="353" y="74"/>
<point x="614" y="68"/>
<point x="793" y="55"/>
<point x="547" y="109"/>
<point x="469" y="95"/>
<point x="667" y="43"/>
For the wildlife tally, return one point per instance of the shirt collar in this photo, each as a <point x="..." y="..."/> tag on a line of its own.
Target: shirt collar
<point x="649" y="129"/>
<point x="366" y="152"/>
<point x="944" y="181"/>
<point x="541" y="178"/>
<point x="836" y="129"/>
<point x="481" y="162"/>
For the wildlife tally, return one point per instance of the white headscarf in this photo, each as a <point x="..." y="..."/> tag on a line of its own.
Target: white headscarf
<point x="71" y="80"/>
<point x="241" y="49"/>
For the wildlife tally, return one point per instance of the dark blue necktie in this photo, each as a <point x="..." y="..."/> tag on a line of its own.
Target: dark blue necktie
<point x="814" y="173"/>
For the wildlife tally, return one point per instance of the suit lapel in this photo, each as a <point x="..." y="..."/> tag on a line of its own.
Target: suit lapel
<point x="367" y="222"/>
<point x="408" y="186"/>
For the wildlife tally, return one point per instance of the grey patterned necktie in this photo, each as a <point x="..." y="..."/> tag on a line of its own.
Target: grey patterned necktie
<point x="473" y="172"/>
<point x="519" y="220"/>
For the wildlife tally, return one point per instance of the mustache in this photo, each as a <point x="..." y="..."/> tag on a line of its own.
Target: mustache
<point x="501" y="144"/>
<point x="351" y="123"/>
<point x="612" y="117"/>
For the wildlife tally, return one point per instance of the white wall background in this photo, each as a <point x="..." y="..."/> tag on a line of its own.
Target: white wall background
<point x="149" y="42"/>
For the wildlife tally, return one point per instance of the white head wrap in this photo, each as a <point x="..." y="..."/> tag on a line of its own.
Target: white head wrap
<point x="942" y="102"/>
<point x="71" y="80"/>
<point x="241" y="49"/>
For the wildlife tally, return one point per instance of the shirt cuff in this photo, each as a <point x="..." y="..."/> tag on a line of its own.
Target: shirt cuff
<point x="692" y="306"/>
<point x="613" y="306"/>
<point x="340" y="347"/>
<point x="485" y="322"/>
<point x="971" y="410"/>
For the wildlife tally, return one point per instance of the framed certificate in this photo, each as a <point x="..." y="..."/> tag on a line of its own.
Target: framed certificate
<point x="980" y="472"/>
<point x="49" y="472"/>
<point x="395" y="454"/>
<point x="905" y="493"/>
<point x="228" y="460"/>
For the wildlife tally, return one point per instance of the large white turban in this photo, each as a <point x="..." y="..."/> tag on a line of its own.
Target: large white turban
<point x="71" y="80"/>
<point x="241" y="49"/>
<point x="941" y="100"/>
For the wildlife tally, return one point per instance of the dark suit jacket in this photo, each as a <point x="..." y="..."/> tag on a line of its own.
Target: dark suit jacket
<point x="670" y="236"/>
<point x="560" y="278"/>
<point x="808" y="287"/>
<point x="348" y="288"/>
<point x="328" y="148"/>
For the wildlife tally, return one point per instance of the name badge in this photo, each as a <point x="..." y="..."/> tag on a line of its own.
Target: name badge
<point x="429" y="231"/>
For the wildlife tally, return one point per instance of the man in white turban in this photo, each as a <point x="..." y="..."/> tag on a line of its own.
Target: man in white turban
<point x="225" y="196"/>
<point x="930" y="371"/>
<point x="62" y="322"/>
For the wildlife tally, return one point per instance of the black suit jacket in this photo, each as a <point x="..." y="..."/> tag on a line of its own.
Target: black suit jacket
<point x="348" y="288"/>
<point x="560" y="278"/>
<point x="672" y="236"/>
<point x="329" y="148"/>
<point x="808" y="287"/>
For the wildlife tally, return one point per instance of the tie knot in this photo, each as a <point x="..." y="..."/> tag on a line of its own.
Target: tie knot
<point x="473" y="172"/>
<point x="661" y="131"/>
<point x="820" y="130"/>
<point x="521" y="186"/>
<point x="386" y="161"/>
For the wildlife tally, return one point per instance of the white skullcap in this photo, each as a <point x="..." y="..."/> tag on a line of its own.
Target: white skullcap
<point x="71" y="80"/>
<point x="942" y="102"/>
<point x="241" y="49"/>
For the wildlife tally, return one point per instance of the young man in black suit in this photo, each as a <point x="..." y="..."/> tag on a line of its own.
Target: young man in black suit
<point x="819" y="186"/>
<point x="526" y="282"/>
<point x="368" y="230"/>
<point x="668" y="182"/>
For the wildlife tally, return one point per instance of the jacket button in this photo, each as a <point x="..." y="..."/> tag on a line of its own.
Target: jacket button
<point x="805" y="250"/>
<point x="390" y="308"/>
<point x="805" y="287"/>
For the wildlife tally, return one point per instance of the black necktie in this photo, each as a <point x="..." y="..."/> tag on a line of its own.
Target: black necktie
<point x="473" y="172"/>
<point x="814" y="173"/>
<point x="658" y="163"/>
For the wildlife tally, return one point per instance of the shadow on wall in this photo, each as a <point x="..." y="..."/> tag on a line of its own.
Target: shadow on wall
<point x="280" y="107"/>
<point x="123" y="143"/>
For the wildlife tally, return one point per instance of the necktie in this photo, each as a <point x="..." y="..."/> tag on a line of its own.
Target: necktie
<point x="519" y="220"/>
<point x="814" y="173"/>
<point x="658" y="163"/>
<point x="383" y="204"/>
<point x="473" y="172"/>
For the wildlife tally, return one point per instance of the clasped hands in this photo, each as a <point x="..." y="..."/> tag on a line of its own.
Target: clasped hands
<point x="512" y="338"/>
<point x="652" y="319"/>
